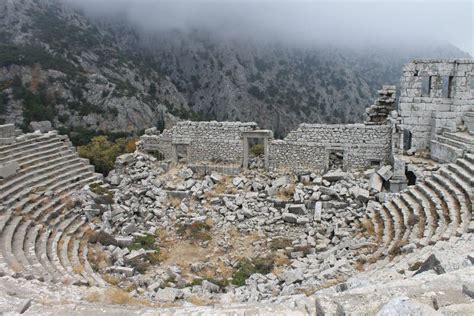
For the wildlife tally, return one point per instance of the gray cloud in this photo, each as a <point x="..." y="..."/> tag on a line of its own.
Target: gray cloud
<point x="348" y="22"/>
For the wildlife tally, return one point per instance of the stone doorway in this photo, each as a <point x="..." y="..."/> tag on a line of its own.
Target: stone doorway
<point x="180" y="152"/>
<point x="257" y="137"/>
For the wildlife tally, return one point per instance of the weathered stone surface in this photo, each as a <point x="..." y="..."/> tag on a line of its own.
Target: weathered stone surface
<point x="8" y="170"/>
<point x="43" y="126"/>
<point x="406" y="306"/>
<point x="431" y="263"/>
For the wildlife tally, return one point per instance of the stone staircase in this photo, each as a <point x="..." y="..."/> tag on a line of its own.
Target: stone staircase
<point x="438" y="208"/>
<point x="449" y="146"/>
<point x="40" y="236"/>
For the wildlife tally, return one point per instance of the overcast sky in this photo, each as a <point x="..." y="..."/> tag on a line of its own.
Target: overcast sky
<point x="347" y="22"/>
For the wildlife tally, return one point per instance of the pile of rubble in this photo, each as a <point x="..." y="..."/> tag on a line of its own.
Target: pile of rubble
<point x="144" y="210"/>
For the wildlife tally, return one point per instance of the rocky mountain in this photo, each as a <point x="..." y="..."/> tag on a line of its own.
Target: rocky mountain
<point x="83" y="74"/>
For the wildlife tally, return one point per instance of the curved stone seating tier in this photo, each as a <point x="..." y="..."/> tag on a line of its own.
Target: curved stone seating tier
<point x="31" y="150"/>
<point x="439" y="208"/>
<point x="40" y="237"/>
<point x="20" y="146"/>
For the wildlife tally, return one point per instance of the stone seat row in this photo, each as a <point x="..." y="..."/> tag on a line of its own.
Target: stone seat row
<point x="436" y="209"/>
<point x="40" y="237"/>
<point x="51" y="253"/>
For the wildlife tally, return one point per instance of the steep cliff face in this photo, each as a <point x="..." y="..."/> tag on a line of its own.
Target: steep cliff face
<point x="57" y="64"/>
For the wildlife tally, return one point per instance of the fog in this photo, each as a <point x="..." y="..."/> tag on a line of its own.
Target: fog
<point x="347" y="22"/>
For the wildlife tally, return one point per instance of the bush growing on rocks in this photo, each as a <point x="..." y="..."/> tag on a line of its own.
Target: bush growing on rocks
<point x="247" y="267"/>
<point x="102" y="153"/>
<point x="146" y="242"/>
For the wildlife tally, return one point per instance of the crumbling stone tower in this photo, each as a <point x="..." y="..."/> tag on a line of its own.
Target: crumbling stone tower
<point x="378" y="113"/>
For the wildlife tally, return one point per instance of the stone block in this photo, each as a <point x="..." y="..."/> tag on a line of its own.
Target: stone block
<point x="43" y="126"/>
<point x="376" y="182"/>
<point x="385" y="172"/>
<point x="8" y="170"/>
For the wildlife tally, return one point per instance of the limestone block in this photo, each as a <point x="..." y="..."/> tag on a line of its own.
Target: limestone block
<point x="8" y="170"/>
<point x="43" y="126"/>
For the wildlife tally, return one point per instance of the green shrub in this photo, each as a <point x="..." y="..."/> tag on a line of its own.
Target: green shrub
<point x="102" y="153"/>
<point x="146" y="242"/>
<point x="248" y="267"/>
<point x="257" y="150"/>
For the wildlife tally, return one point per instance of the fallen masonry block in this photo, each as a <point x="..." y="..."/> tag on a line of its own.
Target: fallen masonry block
<point x="468" y="289"/>
<point x="376" y="183"/>
<point x="318" y="207"/>
<point x="135" y="255"/>
<point x="8" y="170"/>
<point x="335" y="176"/>
<point x="127" y="271"/>
<point x="124" y="241"/>
<point x="385" y="172"/>
<point x="432" y="263"/>
<point x="299" y="209"/>
<point x="362" y="195"/>
<point x="289" y="217"/>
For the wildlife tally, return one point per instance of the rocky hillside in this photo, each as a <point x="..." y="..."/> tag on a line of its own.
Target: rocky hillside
<point x="57" y="64"/>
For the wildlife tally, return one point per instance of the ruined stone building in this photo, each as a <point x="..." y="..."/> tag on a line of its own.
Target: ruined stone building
<point x="434" y="116"/>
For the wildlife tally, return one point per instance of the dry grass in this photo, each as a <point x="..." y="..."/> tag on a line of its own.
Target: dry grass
<point x="174" y="201"/>
<point x="114" y="296"/>
<point x="98" y="258"/>
<point x="78" y="269"/>
<point x="111" y="279"/>
<point x="286" y="193"/>
<point x="219" y="188"/>
<point x="368" y="226"/>
<point x="199" y="301"/>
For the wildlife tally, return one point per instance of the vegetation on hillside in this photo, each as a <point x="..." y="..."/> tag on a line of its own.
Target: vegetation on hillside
<point x="102" y="153"/>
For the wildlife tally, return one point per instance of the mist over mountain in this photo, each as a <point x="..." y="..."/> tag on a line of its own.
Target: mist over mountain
<point x="122" y="66"/>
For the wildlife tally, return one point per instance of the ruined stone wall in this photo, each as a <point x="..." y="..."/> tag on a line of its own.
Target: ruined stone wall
<point x="203" y="141"/>
<point x="434" y="95"/>
<point x="309" y="147"/>
<point x="7" y="131"/>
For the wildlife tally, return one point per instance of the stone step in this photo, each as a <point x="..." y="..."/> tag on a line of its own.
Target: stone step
<point x="63" y="250"/>
<point x="430" y="225"/>
<point x="462" y="173"/>
<point x="6" y="241"/>
<point x="26" y="159"/>
<point x="20" y="146"/>
<point x="466" y="165"/>
<point x="417" y="216"/>
<point x="53" y="246"/>
<point x="42" y="253"/>
<point x="75" y="171"/>
<point x="469" y="157"/>
<point x="18" y="242"/>
<point x="85" y="263"/>
<point x="75" y="260"/>
<point x="444" y="152"/>
<point x="451" y="141"/>
<point x="398" y="228"/>
<point x="17" y="182"/>
<point x="30" y="248"/>
<point x="449" y="205"/>
<point x="436" y="207"/>
<point x="4" y="219"/>
<point x="465" y="190"/>
<point x="60" y="195"/>
<point x="40" y="162"/>
<point x="461" y="137"/>
<point x="458" y="199"/>
<point x="406" y="215"/>
<point x="33" y="148"/>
